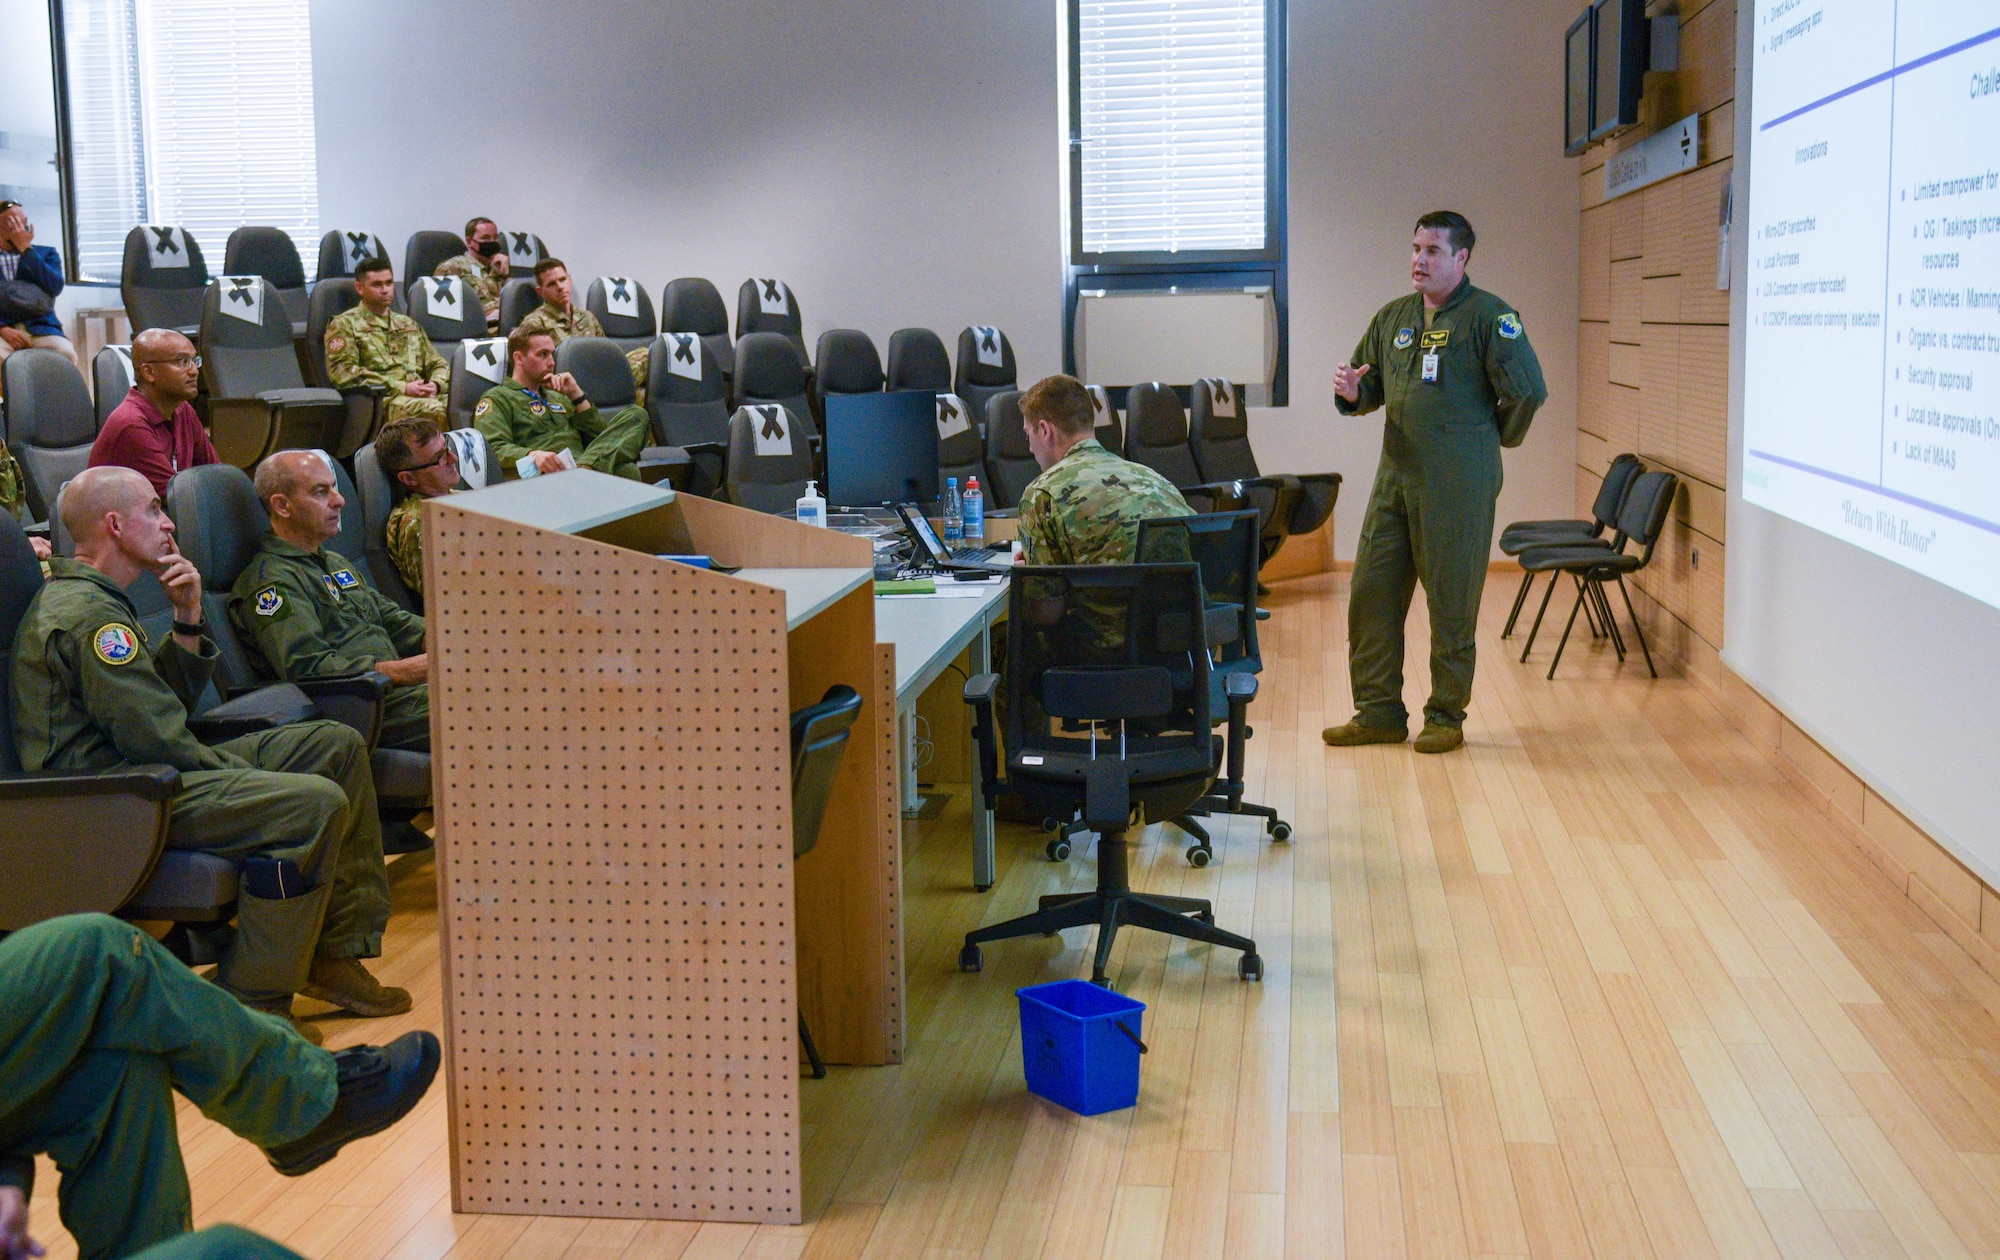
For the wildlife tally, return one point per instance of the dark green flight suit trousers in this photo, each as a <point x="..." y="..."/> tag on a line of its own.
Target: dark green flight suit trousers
<point x="1458" y="385"/>
<point x="99" y="1027"/>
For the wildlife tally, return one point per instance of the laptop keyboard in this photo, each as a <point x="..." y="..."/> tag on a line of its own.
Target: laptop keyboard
<point x="980" y="555"/>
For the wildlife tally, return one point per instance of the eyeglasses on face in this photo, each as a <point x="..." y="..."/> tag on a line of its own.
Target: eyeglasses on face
<point x="179" y="361"/>
<point x="449" y="455"/>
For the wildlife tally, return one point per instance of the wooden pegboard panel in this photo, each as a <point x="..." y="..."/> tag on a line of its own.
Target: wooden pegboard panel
<point x="615" y="879"/>
<point x="889" y="861"/>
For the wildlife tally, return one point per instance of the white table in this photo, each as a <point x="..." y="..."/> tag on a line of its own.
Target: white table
<point x="929" y="631"/>
<point x="807" y="591"/>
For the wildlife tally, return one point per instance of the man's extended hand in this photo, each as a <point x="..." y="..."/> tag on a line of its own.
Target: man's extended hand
<point x="18" y="338"/>
<point x="1347" y="380"/>
<point x="183" y="583"/>
<point x="15" y="1244"/>
<point x="547" y="461"/>
<point x="420" y="389"/>
<point x="499" y="265"/>
<point x="407" y="672"/>
<point x="41" y="545"/>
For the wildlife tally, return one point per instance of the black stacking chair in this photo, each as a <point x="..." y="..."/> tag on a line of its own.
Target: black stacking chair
<point x="163" y="279"/>
<point x="961" y="451"/>
<point x="846" y="363"/>
<point x="1641" y="519"/>
<point x="1007" y="455"/>
<point x="985" y="367"/>
<point x="692" y="304"/>
<point x="1108" y="716"/>
<point x="819" y="740"/>
<point x="687" y="396"/>
<point x="772" y="479"/>
<point x="258" y="401"/>
<point x="1224" y="546"/>
<point x="770" y="306"/>
<point x="917" y="360"/>
<point x="51" y="424"/>
<point x="270" y="253"/>
<point x="1522" y="535"/>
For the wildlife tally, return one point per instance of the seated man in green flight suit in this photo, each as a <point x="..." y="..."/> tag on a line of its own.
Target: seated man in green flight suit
<point x="90" y="695"/>
<point x="538" y="413"/>
<point x="306" y="613"/>
<point x="101" y="1026"/>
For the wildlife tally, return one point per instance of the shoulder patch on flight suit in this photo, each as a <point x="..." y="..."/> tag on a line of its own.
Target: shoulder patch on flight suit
<point x="1510" y="325"/>
<point x="331" y="589"/>
<point x="1404" y="336"/>
<point x="345" y="579"/>
<point x="115" y="643"/>
<point x="269" y="602"/>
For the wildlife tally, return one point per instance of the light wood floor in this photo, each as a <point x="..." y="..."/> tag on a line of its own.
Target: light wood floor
<point x="1604" y="984"/>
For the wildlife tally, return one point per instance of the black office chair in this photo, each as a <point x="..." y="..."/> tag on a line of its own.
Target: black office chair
<point x="1008" y="456"/>
<point x="692" y="304"/>
<point x="819" y="740"/>
<point x="1224" y="546"/>
<point x="1104" y="423"/>
<point x="1641" y="519"/>
<point x="917" y="360"/>
<point x="1108" y="699"/>
<point x="687" y="396"/>
<point x="1521" y="535"/>
<point x="985" y="366"/>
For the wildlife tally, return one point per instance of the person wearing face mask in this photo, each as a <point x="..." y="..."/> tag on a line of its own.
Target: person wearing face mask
<point x="303" y="612"/>
<point x="483" y="266"/>
<point x="539" y="415"/>
<point x="155" y="430"/>
<point x="294" y="804"/>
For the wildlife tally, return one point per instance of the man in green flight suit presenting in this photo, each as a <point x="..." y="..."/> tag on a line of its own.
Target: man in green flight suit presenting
<point x="538" y="415"/>
<point x="1453" y="365"/>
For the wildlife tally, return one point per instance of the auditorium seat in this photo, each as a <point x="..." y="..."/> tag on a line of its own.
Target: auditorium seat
<point x="1007" y="455"/>
<point x="688" y="400"/>
<point x="600" y="367"/>
<point x="770" y="306"/>
<point x="985" y="366"/>
<point x="366" y="404"/>
<point x="50" y="424"/>
<point x="258" y="400"/>
<point x="624" y="308"/>
<point x="339" y="251"/>
<point x="524" y="251"/>
<point x="961" y="449"/>
<point x="111" y="378"/>
<point x="1219" y="437"/>
<point x="477" y="365"/>
<point x="845" y="363"/>
<point x="770" y="459"/>
<point x="163" y="279"/>
<point x="1104" y="422"/>
<point x="374" y="496"/>
<point x="1156" y="435"/>
<point x="917" y="360"/>
<point x="425" y="251"/>
<point x="769" y="371"/>
<point x="692" y="304"/>
<point x="270" y="253"/>
<point x="448" y="311"/>
<point x="517" y="299"/>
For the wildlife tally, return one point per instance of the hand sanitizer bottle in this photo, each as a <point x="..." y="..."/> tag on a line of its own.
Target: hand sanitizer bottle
<point x="812" y="508"/>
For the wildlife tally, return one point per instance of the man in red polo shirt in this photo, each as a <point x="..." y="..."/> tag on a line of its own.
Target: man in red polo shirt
<point x="155" y="429"/>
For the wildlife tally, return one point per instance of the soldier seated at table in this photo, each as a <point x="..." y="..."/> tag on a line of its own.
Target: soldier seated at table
<point x="538" y="414"/>
<point x="373" y="345"/>
<point x="306" y="613"/>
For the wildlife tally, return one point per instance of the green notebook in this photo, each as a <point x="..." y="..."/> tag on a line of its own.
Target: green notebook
<point x="906" y="586"/>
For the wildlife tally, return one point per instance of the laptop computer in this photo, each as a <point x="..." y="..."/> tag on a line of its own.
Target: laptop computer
<point x="931" y="548"/>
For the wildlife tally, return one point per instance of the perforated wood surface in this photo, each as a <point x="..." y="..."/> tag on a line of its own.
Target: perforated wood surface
<point x="615" y="879"/>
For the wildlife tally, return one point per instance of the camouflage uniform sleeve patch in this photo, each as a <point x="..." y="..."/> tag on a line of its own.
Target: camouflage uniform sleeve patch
<point x="485" y="405"/>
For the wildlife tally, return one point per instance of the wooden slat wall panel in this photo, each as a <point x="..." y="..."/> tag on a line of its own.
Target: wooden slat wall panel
<point x="1625" y="274"/>
<point x="1594" y="278"/>
<point x="1593" y="377"/>
<point x="1703" y="406"/>
<point x="1700" y="301"/>
<point x="1708" y="58"/>
<point x="1622" y="416"/>
<point x="1659" y="393"/>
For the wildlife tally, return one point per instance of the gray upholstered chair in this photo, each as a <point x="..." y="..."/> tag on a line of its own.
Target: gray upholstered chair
<point x="770" y="459"/>
<point x="111" y="378"/>
<point x="1110" y="433"/>
<point x="517" y="299"/>
<point x="374" y="495"/>
<point x="162" y="280"/>
<point x="985" y="366"/>
<point x="917" y="360"/>
<point x="258" y="400"/>
<point x="425" y="250"/>
<point x="1156" y="435"/>
<point x="1008" y="458"/>
<point x="1286" y="503"/>
<point x="961" y="449"/>
<point x="270" y="253"/>
<point x="366" y="405"/>
<point x="767" y="371"/>
<point x="692" y="304"/>
<point x="846" y="362"/>
<point x="476" y="366"/>
<point x="50" y="423"/>
<point x="340" y="251"/>
<point x="687" y="397"/>
<point x="624" y="308"/>
<point x="448" y="311"/>
<point x="770" y="306"/>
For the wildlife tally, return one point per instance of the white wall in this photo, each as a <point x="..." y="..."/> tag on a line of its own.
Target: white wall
<point x="898" y="163"/>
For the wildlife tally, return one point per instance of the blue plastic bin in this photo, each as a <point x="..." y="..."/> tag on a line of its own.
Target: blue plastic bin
<point x="1080" y="1045"/>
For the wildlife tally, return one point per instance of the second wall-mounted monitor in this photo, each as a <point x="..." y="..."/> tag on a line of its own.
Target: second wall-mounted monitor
<point x="1579" y="80"/>
<point x="1621" y="41"/>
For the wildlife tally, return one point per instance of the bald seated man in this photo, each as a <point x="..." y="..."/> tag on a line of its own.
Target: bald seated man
<point x="295" y="805"/>
<point x="155" y="429"/>
<point x="304" y="610"/>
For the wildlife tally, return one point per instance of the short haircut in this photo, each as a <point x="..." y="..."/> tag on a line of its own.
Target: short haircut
<point x="1457" y="228"/>
<point x="5" y="206"/>
<point x="397" y="444"/>
<point x="472" y="225"/>
<point x="279" y="474"/>
<point x="1061" y="401"/>
<point x="519" y="340"/>
<point x="548" y="265"/>
<point x="369" y="266"/>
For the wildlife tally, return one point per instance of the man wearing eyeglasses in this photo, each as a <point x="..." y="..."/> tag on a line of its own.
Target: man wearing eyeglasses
<point x="155" y="429"/>
<point x="415" y="455"/>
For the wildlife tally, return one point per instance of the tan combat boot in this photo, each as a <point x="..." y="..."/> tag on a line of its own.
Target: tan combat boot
<point x="345" y="983"/>
<point x="1351" y="733"/>
<point x="1438" y="738"/>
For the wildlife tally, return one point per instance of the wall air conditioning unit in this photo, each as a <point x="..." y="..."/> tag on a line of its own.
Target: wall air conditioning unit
<point x="1178" y="335"/>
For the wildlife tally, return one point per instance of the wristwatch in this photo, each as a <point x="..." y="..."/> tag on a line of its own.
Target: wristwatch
<point x="182" y="627"/>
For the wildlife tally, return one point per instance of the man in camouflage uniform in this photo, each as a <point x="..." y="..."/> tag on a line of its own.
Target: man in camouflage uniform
<point x="561" y="318"/>
<point x="1086" y="506"/>
<point x="415" y="455"/>
<point x="307" y="614"/>
<point x="373" y="345"/>
<point x="539" y="413"/>
<point x="483" y="266"/>
<point x="89" y="696"/>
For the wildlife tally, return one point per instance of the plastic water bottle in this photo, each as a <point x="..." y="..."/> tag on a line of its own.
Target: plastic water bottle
<point x="974" y="512"/>
<point x="954" y="516"/>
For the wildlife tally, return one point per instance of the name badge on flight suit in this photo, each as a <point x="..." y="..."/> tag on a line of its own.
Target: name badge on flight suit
<point x="1434" y="340"/>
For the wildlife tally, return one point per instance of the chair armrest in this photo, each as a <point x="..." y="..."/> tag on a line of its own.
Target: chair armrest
<point x="1263" y="614"/>
<point x="364" y="391"/>
<point x="1240" y="687"/>
<point x="1218" y="493"/>
<point x="1222" y="624"/>
<point x="705" y="448"/>
<point x="355" y="700"/>
<point x="148" y="783"/>
<point x="979" y="692"/>
<point x="261" y="709"/>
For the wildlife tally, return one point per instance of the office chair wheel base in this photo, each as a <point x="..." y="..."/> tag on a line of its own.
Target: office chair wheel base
<point x="969" y="958"/>
<point x="1057" y="849"/>
<point x="1280" y="829"/>
<point x="1199" y="855"/>
<point x="1051" y="826"/>
<point x="1250" y="967"/>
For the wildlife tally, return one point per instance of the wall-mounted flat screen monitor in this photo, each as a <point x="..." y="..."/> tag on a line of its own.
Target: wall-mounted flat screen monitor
<point x="1578" y="81"/>
<point x="1619" y="41"/>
